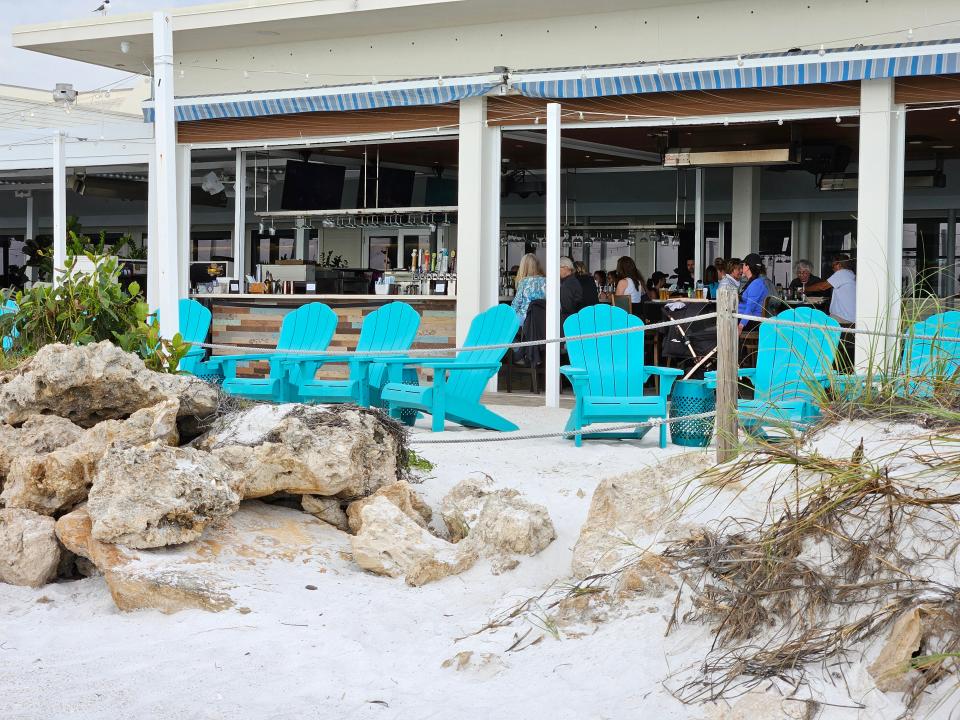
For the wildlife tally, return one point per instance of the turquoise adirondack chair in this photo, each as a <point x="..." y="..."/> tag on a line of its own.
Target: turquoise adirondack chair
<point x="793" y="364"/>
<point x="924" y="364"/>
<point x="194" y="328"/>
<point x="9" y="307"/>
<point x="608" y="374"/>
<point x="309" y="327"/>
<point x="392" y="327"/>
<point x="927" y="363"/>
<point x="458" y="383"/>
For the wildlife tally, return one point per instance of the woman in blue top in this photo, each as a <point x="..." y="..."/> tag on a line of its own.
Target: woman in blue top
<point x="755" y="292"/>
<point x="531" y="285"/>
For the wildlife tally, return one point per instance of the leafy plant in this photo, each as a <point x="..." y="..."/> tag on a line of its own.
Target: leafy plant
<point x="329" y="260"/>
<point x="39" y="253"/>
<point x="88" y="307"/>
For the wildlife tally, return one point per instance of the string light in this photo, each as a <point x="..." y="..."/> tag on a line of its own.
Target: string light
<point x="246" y="73"/>
<point x="910" y="34"/>
<point x="838" y="119"/>
<point x="822" y="51"/>
<point x="739" y="60"/>
<point x="779" y="121"/>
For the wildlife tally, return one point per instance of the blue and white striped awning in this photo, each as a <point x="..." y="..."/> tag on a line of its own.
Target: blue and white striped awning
<point x="747" y="71"/>
<point x="410" y="93"/>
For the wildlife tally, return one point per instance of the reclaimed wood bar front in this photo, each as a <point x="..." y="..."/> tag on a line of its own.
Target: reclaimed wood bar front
<point x="254" y="321"/>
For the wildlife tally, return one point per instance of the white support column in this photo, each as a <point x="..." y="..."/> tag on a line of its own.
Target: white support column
<point x="699" y="238"/>
<point x="165" y="133"/>
<point x="59" y="205"/>
<point x="950" y="251"/>
<point x="552" y="380"/>
<point x="240" y="218"/>
<point x="30" y="229"/>
<point x="746" y="211"/>
<point x="879" y="218"/>
<point x="184" y="190"/>
<point x="153" y="246"/>
<point x="478" y="226"/>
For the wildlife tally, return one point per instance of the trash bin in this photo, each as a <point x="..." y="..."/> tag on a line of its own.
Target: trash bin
<point x="691" y="397"/>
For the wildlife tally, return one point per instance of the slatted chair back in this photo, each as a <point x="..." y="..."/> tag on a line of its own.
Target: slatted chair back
<point x="793" y="361"/>
<point x="9" y="307"/>
<point x="391" y="327"/>
<point x="309" y="327"/>
<point x="495" y="326"/>
<point x="615" y="363"/>
<point x="925" y="363"/>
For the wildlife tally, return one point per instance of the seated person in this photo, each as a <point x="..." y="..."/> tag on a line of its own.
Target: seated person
<point x="571" y="290"/>
<point x="631" y="281"/>
<point x="755" y="292"/>
<point x="804" y="279"/>
<point x="531" y="285"/>
<point x="590" y="294"/>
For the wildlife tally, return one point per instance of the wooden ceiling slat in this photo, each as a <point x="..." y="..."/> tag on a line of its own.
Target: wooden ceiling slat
<point x="319" y="124"/>
<point x="928" y="89"/>
<point x="516" y="110"/>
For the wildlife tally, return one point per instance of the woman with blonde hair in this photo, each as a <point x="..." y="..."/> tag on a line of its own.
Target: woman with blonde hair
<point x="531" y="284"/>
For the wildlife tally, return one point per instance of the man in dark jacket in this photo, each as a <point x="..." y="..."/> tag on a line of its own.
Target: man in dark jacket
<point x="571" y="291"/>
<point x="590" y="294"/>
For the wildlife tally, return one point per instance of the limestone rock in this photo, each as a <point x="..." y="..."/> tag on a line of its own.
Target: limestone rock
<point x="508" y="525"/>
<point x="29" y="551"/>
<point x="495" y="523"/>
<point x="327" y="509"/>
<point x="261" y="541"/>
<point x="39" y="435"/>
<point x="648" y="576"/>
<point x="390" y="543"/>
<point x="891" y="671"/>
<point x="400" y="494"/>
<point x="332" y="451"/>
<point x="461" y="507"/>
<point x="761" y="704"/>
<point x="155" y="495"/>
<point x="627" y="508"/>
<point x="91" y="383"/>
<point x="59" y="480"/>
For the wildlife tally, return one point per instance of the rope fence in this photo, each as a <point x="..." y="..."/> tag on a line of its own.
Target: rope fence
<point x="450" y="351"/>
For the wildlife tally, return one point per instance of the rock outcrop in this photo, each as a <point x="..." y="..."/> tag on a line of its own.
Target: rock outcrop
<point x="624" y="509"/>
<point x="60" y="479"/>
<point x="392" y="539"/>
<point x="267" y="542"/>
<point x="155" y="495"/>
<point x="92" y="383"/>
<point x="400" y="494"/>
<point x="331" y="451"/>
<point x="329" y="510"/>
<point x="38" y="436"/>
<point x="29" y="551"/>
<point x="390" y="543"/>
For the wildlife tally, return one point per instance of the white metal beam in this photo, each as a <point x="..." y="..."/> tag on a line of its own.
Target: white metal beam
<point x="587" y="146"/>
<point x="699" y="246"/>
<point x="59" y="205"/>
<point x="240" y="217"/>
<point x="153" y="246"/>
<point x="167" y="252"/>
<point x="552" y="380"/>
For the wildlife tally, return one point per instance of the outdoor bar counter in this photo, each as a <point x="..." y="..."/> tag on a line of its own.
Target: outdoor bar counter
<point x="254" y="320"/>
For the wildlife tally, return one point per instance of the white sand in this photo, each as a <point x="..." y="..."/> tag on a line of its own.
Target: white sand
<point x="368" y="647"/>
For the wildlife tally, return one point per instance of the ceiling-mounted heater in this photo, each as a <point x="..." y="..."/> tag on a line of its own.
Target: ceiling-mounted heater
<point x="691" y="157"/>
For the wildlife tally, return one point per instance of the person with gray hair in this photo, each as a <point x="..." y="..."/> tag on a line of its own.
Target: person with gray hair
<point x="571" y="291"/>
<point x="804" y="278"/>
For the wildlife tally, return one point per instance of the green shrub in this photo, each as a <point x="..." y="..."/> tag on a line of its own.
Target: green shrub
<point x="88" y="307"/>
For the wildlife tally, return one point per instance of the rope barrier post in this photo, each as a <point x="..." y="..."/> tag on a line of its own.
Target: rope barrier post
<point x="726" y="421"/>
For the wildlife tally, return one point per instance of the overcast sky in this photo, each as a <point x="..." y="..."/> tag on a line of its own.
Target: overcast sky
<point x="19" y="67"/>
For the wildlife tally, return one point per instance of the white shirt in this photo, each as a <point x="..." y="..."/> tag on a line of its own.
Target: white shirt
<point x="636" y="297"/>
<point x="843" y="305"/>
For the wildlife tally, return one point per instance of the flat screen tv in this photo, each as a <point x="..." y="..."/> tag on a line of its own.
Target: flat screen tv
<point x="441" y="192"/>
<point x="312" y="186"/>
<point x="396" y="188"/>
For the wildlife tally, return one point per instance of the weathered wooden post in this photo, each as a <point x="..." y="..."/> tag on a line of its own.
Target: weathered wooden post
<point x="726" y="419"/>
